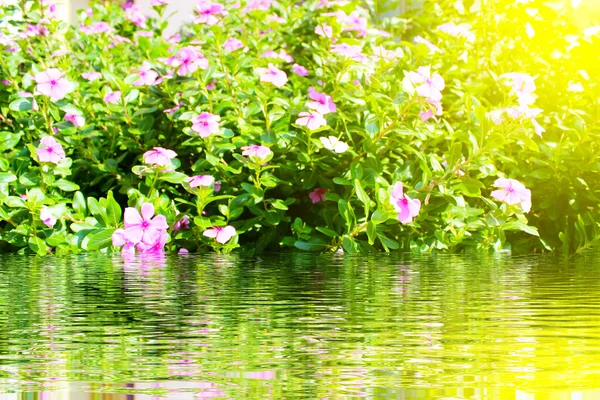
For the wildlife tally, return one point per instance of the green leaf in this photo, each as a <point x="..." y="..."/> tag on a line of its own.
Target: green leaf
<point x="328" y="232"/>
<point x="113" y="211"/>
<point x="22" y="104"/>
<point x="66" y="185"/>
<point x="362" y="196"/>
<point x="7" y="177"/>
<point x="520" y="226"/>
<point x="311" y="245"/>
<point x="172" y="177"/>
<point x="371" y="232"/>
<point x="99" y="239"/>
<point x="38" y="245"/>
<point x="79" y="203"/>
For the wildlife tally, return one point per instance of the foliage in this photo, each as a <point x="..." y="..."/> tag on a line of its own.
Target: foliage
<point x="316" y="125"/>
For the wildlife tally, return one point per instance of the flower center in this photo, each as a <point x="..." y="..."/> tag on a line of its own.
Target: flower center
<point x="145" y="224"/>
<point x="53" y="82"/>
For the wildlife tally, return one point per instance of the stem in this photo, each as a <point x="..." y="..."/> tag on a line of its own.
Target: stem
<point x="153" y="184"/>
<point x="352" y="234"/>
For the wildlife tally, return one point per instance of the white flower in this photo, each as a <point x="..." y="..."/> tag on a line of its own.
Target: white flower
<point x="334" y="144"/>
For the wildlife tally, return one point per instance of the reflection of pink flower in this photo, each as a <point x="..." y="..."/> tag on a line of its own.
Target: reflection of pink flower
<point x="206" y="12"/>
<point x="406" y="207"/>
<point x="206" y="124"/>
<point x="52" y="83"/>
<point x="221" y="235"/>
<point x="322" y="103"/>
<point x="273" y="75"/>
<point x="318" y="195"/>
<point x="50" y="150"/>
<point x="159" y="156"/>
<point x="312" y="120"/>
<point x="200" y="180"/>
<point x="299" y="70"/>
<point x="512" y="192"/>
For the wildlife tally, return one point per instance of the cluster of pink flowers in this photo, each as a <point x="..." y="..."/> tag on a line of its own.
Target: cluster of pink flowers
<point x="145" y="232"/>
<point x="96" y="28"/>
<point x="206" y="124"/>
<point x="159" y="157"/>
<point x="273" y="75"/>
<point x="134" y="14"/>
<point x="513" y="192"/>
<point x="348" y="50"/>
<point x="428" y="86"/>
<point x="523" y="87"/>
<point x="262" y="5"/>
<point x="207" y="12"/>
<point x="53" y="83"/>
<point x="187" y="60"/>
<point x="322" y="104"/>
<point x="50" y="150"/>
<point x="406" y="207"/>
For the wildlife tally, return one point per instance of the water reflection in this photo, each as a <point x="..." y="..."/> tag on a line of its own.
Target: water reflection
<point x="300" y="326"/>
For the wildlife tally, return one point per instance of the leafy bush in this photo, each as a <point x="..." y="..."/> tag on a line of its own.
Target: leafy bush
<point x="318" y="125"/>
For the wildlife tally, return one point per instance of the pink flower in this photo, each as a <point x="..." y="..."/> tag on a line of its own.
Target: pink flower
<point x="318" y="195"/>
<point x="428" y="86"/>
<point x="312" y="120"/>
<point x="285" y="56"/>
<point x="322" y="103"/>
<point x="425" y="115"/>
<point x="52" y="83"/>
<point x="255" y="151"/>
<point x="183" y="251"/>
<point x="221" y="235"/>
<point x="206" y="124"/>
<point x="113" y="97"/>
<point x="262" y="5"/>
<point x="347" y="50"/>
<point x="118" y="240"/>
<point x="232" y="44"/>
<point x="276" y="18"/>
<point x="171" y="111"/>
<point x="212" y="85"/>
<point x="324" y="30"/>
<point x="183" y="223"/>
<point x="76" y="120"/>
<point x="147" y="76"/>
<point x="200" y="180"/>
<point x="512" y="192"/>
<point x="143" y="228"/>
<point x="206" y="11"/>
<point x="406" y="207"/>
<point x="134" y="14"/>
<point x="273" y="75"/>
<point x="155" y="247"/>
<point x="299" y="70"/>
<point x="158" y="3"/>
<point x="270" y="54"/>
<point x="355" y="22"/>
<point x="47" y="217"/>
<point x="523" y="86"/>
<point x="432" y="47"/>
<point x="50" y="150"/>
<point x="91" y="76"/>
<point x="159" y="156"/>
<point x="188" y="60"/>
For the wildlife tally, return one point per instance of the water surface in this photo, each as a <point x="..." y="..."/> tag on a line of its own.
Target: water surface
<point x="300" y="326"/>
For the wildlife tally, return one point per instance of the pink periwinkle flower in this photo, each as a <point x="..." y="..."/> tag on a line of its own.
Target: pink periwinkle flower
<point x="276" y="18"/>
<point x="436" y="109"/>
<point x="5" y="82"/>
<point x="155" y="247"/>
<point x="145" y="228"/>
<point x="212" y="85"/>
<point x="52" y="83"/>
<point x="119" y="240"/>
<point x="183" y="251"/>
<point x="255" y="151"/>
<point x="159" y="156"/>
<point x="187" y="61"/>
<point x="200" y="180"/>
<point x="262" y="5"/>
<point x="432" y="47"/>
<point x="324" y="30"/>
<point x="512" y="192"/>
<point x="171" y="111"/>
<point x="428" y="85"/>
<point x="206" y="124"/>
<point x="318" y="195"/>
<point x="206" y="12"/>
<point x="322" y="103"/>
<point x="299" y="70"/>
<point x="312" y="120"/>
<point x="354" y="22"/>
<point x="134" y="14"/>
<point x="522" y="85"/>
<point x="113" y="97"/>
<point x="91" y="76"/>
<point x="232" y="44"/>
<point x="273" y="75"/>
<point x="406" y="207"/>
<point x="221" y="235"/>
<point x="158" y="3"/>
<point x="76" y="120"/>
<point x="147" y="76"/>
<point x="47" y="217"/>
<point x="347" y="50"/>
<point x="50" y="150"/>
<point x="285" y="56"/>
<point x="183" y="223"/>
